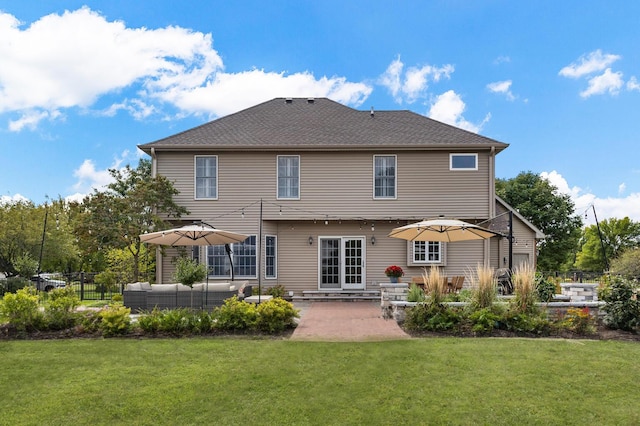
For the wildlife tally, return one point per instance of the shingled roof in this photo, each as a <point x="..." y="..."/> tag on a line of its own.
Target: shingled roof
<point x="321" y="124"/>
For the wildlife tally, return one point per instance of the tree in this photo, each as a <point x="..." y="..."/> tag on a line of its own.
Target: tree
<point x="627" y="264"/>
<point x="618" y="235"/>
<point x="541" y="203"/>
<point x="130" y="206"/>
<point x="30" y="230"/>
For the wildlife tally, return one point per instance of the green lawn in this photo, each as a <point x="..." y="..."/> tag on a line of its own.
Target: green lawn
<point x="277" y="382"/>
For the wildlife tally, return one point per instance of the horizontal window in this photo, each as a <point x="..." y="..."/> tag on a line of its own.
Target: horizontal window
<point x="463" y="161"/>
<point x="427" y="252"/>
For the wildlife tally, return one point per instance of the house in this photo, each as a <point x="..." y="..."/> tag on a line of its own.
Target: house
<point x="318" y="186"/>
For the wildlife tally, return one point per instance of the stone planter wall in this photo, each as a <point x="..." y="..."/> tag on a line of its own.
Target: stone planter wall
<point x="392" y="293"/>
<point x="580" y="292"/>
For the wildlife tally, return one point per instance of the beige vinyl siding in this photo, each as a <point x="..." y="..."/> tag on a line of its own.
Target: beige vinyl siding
<point x="338" y="184"/>
<point x="338" y="187"/>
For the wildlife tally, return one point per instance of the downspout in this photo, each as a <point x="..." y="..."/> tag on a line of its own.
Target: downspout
<point x="159" y="264"/>
<point x="492" y="204"/>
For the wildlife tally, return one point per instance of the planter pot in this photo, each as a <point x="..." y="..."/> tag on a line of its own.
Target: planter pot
<point x="393" y="279"/>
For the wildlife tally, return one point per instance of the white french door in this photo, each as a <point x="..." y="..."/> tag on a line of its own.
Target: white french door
<point x="341" y="263"/>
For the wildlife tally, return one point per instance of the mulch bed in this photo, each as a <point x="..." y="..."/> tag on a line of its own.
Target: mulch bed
<point x="602" y="333"/>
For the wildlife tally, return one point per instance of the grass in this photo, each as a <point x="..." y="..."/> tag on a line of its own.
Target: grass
<point x="230" y="381"/>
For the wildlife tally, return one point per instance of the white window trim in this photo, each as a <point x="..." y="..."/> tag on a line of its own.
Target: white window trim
<point x="278" y="197"/>
<point x="395" y="181"/>
<point x="413" y="261"/>
<point x="462" y="154"/>
<point x="275" y="266"/>
<point x="195" y="177"/>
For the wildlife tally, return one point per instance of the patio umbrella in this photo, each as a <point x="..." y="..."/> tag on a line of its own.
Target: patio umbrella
<point x="446" y="230"/>
<point x="197" y="234"/>
<point x="193" y="235"/>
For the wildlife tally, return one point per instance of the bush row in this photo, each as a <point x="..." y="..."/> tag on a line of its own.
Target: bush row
<point x="521" y="314"/>
<point x="25" y="312"/>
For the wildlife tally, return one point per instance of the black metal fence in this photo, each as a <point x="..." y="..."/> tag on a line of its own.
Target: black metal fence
<point x="82" y="282"/>
<point x="575" y="276"/>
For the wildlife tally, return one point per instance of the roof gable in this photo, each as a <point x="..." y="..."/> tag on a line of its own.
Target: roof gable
<point x="313" y="124"/>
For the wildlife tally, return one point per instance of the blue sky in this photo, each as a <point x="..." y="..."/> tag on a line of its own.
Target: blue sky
<point x="83" y="83"/>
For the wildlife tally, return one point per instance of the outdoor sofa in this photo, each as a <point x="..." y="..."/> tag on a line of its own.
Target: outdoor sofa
<point x="144" y="297"/>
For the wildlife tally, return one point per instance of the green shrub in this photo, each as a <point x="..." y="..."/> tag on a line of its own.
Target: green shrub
<point x="433" y="317"/>
<point x="235" y="315"/>
<point x="115" y="320"/>
<point x="200" y="322"/>
<point x="117" y="298"/>
<point x="276" y="315"/>
<point x="59" y="311"/>
<point x="276" y="290"/>
<point x="526" y="322"/>
<point x="149" y="322"/>
<point x="622" y="307"/>
<point x="189" y="271"/>
<point x="485" y="320"/>
<point x="20" y="309"/>
<point x="174" y="321"/>
<point x="545" y="288"/>
<point x="416" y="294"/>
<point x="89" y="321"/>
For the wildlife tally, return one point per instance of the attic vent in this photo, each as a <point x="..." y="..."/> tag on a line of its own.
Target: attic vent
<point x="288" y="100"/>
<point x="310" y="100"/>
<point x="372" y="112"/>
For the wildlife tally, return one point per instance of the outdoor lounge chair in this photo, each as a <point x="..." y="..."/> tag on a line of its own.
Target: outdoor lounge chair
<point x="456" y="284"/>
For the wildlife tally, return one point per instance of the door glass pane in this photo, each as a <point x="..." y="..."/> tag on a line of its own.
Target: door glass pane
<point x="353" y="262"/>
<point x="330" y="263"/>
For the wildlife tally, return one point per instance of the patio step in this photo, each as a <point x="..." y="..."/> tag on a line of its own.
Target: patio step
<point x="343" y="295"/>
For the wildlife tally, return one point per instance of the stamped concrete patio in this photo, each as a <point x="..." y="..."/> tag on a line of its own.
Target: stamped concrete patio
<point x="345" y="321"/>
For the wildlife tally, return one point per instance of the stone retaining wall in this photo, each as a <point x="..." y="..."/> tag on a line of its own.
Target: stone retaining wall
<point x="580" y="292"/>
<point x="396" y="292"/>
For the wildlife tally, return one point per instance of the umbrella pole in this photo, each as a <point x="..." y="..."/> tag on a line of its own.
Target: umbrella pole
<point x="228" y="249"/>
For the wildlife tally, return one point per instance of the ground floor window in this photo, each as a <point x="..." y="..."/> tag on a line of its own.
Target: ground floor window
<point x="243" y="255"/>
<point x="427" y="252"/>
<point x="270" y="258"/>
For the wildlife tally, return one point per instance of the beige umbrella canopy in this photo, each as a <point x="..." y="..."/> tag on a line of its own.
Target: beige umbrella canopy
<point x="446" y="230"/>
<point x="193" y="235"/>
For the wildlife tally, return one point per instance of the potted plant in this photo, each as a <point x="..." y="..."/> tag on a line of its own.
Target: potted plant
<point x="394" y="272"/>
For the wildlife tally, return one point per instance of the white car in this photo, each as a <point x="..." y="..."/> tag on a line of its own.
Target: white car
<point x="44" y="282"/>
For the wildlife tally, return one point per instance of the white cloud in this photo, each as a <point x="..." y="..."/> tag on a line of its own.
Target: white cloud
<point x="503" y="87"/>
<point x="448" y="108"/>
<point x="622" y="188"/>
<point x="47" y="68"/>
<point x="228" y="93"/>
<point x="415" y="82"/>
<point x="502" y="59"/>
<point x="608" y="82"/>
<point x="588" y="64"/>
<point x="606" y="208"/>
<point x="90" y="178"/>
<point x="633" y="84"/>
<point x="11" y="199"/>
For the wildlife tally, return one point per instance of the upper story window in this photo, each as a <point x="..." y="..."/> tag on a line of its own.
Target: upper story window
<point x="288" y="177"/>
<point x="206" y="177"/>
<point x="427" y="252"/>
<point x="463" y="161"/>
<point x="384" y="176"/>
